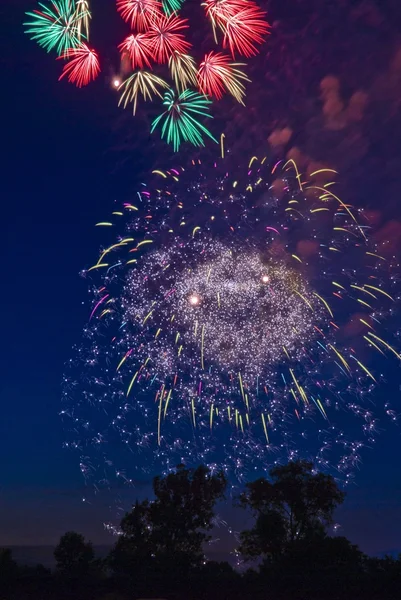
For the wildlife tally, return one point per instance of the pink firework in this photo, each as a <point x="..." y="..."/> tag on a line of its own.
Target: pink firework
<point x="82" y="66"/>
<point x="139" y="48"/>
<point x="140" y="13"/>
<point x="166" y="37"/>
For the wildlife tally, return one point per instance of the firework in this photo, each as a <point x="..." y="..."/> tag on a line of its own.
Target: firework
<point x="139" y="13"/>
<point x="224" y="288"/>
<point x="219" y="11"/>
<point x="56" y="27"/>
<point x="141" y="83"/>
<point x="82" y="66"/>
<point x="217" y="74"/>
<point x="170" y="6"/>
<point x="180" y="120"/>
<point x="243" y="30"/>
<point x="83" y="16"/>
<point x="238" y="320"/>
<point x="183" y="71"/>
<point x="157" y="38"/>
<point x="166" y="37"/>
<point x="139" y="49"/>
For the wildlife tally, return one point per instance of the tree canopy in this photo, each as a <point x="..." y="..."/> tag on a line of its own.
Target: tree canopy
<point x="74" y="556"/>
<point x="297" y="503"/>
<point x="173" y="527"/>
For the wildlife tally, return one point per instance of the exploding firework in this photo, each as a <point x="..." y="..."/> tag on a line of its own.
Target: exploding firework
<point x="243" y="30"/>
<point x="170" y="6"/>
<point x="139" y="48"/>
<point x="157" y="41"/>
<point x="166" y="37"/>
<point x="180" y="120"/>
<point x="223" y="288"/>
<point x="183" y="71"/>
<point x="139" y="13"/>
<point x="83" y="16"/>
<point x="241" y="21"/>
<point x="57" y="26"/>
<point x="82" y="66"/>
<point x="141" y="83"/>
<point x="217" y="74"/>
<point x="236" y="321"/>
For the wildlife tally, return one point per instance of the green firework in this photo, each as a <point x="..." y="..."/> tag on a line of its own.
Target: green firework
<point x="55" y="26"/>
<point x="170" y="6"/>
<point x="179" y="121"/>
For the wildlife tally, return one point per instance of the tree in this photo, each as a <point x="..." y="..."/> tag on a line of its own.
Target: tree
<point x="215" y="580"/>
<point x="168" y="533"/>
<point x="184" y="509"/>
<point x="296" y="504"/>
<point x="8" y="567"/>
<point x="134" y="548"/>
<point x="322" y="567"/>
<point x="74" y="556"/>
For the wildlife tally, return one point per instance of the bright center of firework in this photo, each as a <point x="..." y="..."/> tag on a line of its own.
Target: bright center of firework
<point x="116" y="83"/>
<point x="240" y="323"/>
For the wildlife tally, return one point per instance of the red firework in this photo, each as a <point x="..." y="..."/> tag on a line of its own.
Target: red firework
<point x="244" y="29"/>
<point x="212" y="73"/>
<point x="219" y="10"/>
<point x="82" y="67"/>
<point x="218" y="74"/>
<point x="166" y="38"/>
<point x="139" y="48"/>
<point x="141" y="13"/>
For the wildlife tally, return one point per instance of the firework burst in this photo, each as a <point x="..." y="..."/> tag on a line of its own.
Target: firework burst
<point x="139" y="48"/>
<point x="166" y="36"/>
<point x="180" y="121"/>
<point x="217" y="74"/>
<point x="139" y="13"/>
<point x="183" y="71"/>
<point x="218" y="11"/>
<point x="237" y="321"/>
<point x="56" y="27"/>
<point x="141" y="83"/>
<point x="171" y="6"/>
<point x="82" y="66"/>
<point x="157" y="39"/>
<point x="83" y="16"/>
<point x="244" y="30"/>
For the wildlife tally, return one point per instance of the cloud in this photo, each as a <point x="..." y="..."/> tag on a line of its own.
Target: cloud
<point x="280" y="137"/>
<point x="307" y="248"/>
<point x="388" y="238"/>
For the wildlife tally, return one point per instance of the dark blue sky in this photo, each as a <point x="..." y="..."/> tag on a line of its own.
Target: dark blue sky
<point x="58" y="179"/>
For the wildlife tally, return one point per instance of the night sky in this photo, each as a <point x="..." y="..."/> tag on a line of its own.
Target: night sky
<point x="67" y="155"/>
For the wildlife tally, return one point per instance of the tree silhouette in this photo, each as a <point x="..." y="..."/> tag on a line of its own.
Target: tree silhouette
<point x="74" y="556"/>
<point x="297" y="504"/>
<point x="133" y="551"/>
<point x="160" y="551"/>
<point x="168" y="533"/>
<point x="215" y="580"/>
<point x="318" y="567"/>
<point x="8" y="568"/>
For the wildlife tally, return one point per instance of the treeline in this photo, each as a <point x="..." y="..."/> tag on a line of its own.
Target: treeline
<point x="160" y="552"/>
